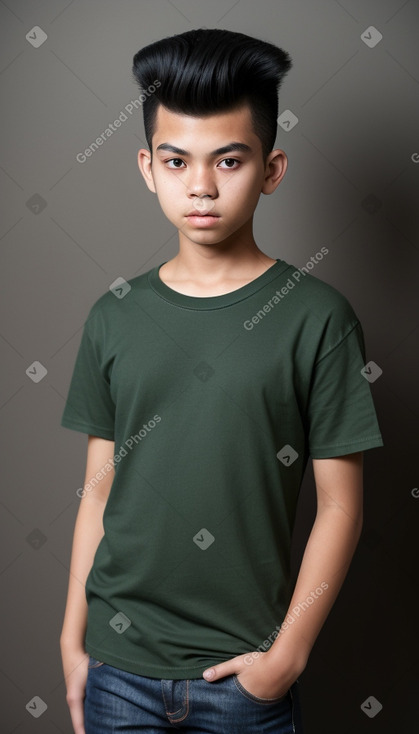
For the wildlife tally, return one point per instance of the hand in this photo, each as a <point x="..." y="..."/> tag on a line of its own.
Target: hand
<point x="75" y="661"/>
<point x="259" y="673"/>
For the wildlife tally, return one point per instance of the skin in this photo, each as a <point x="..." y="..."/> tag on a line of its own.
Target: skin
<point x="88" y="532"/>
<point x="225" y="257"/>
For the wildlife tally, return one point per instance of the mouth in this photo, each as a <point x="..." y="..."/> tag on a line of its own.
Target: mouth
<point x="202" y="220"/>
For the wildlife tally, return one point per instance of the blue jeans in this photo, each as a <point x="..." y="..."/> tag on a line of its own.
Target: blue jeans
<point x="117" y="701"/>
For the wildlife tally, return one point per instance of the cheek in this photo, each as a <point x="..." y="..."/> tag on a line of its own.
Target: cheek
<point x="241" y="189"/>
<point x="241" y="195"/>
<point x="169" y="189"/>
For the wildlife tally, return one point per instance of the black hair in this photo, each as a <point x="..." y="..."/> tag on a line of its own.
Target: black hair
<point x="209" y="70"/>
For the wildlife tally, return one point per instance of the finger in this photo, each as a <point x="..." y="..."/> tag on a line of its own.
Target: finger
<point x="221" y="670"/>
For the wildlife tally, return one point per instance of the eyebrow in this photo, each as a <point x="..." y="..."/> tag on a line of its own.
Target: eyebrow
<point x="230" y="148"/>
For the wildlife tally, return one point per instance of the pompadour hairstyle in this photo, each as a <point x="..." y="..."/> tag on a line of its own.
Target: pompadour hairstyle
<point x="209" y="70"/>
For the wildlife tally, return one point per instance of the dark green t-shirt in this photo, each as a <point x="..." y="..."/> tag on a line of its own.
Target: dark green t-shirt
<point x="215" y="405"/>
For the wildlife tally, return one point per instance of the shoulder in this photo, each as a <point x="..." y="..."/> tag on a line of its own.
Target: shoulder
<point x="114" y="303"/>
<point x="323" y="297"/>
<point x="320" y="297"/>
<point x="328" y="312"/>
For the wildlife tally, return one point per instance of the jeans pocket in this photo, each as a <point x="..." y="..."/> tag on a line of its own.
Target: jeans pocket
<point x="256" y="699"/>
<point x="94" y="662"/>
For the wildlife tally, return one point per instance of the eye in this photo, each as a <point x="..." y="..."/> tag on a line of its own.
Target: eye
<point x="230" y="162"/>
<point x="174" y="160"/>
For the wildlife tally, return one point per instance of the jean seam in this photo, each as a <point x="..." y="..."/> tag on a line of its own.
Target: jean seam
<point x="252" y="697"/>
<point x="171" y="714"/>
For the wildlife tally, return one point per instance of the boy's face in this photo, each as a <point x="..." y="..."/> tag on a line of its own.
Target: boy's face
<point x="196" y="171"/>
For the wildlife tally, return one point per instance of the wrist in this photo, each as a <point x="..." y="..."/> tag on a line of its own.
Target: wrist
<point x="292" y="653"/>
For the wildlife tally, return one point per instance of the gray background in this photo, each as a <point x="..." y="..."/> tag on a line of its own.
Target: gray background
<point x="351" y="185"/>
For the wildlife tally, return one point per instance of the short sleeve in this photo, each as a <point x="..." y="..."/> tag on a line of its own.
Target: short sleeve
<point x="89" y="407"/>
<point x="341" y="414"/>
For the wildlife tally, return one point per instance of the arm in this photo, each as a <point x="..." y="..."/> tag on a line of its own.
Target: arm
<point x="88" y="532"/>
<point x="328" y="554"/>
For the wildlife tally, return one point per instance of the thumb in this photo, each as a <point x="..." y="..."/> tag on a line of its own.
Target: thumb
<point x="223" y="669"/>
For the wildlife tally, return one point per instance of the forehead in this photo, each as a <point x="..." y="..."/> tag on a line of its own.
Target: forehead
<point x="210" y="131"/>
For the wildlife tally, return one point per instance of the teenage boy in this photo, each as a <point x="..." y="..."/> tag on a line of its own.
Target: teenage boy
<point x="205" y="385"/>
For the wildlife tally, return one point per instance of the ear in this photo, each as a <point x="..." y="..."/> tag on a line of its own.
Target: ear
<point x="276" y="166"/>
<point x="144" y="164"/>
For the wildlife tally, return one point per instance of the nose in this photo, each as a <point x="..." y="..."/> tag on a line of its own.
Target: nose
<point x="201" y="182"/>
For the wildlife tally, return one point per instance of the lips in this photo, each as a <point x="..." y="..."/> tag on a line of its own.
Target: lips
<point x="194" y="213"/>
<point x="201" y="220"/>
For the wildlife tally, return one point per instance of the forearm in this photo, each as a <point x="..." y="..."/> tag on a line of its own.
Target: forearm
<point x="328" y="553"/>
<point x="325" y="563"/>
<point x="88" y="532"/>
